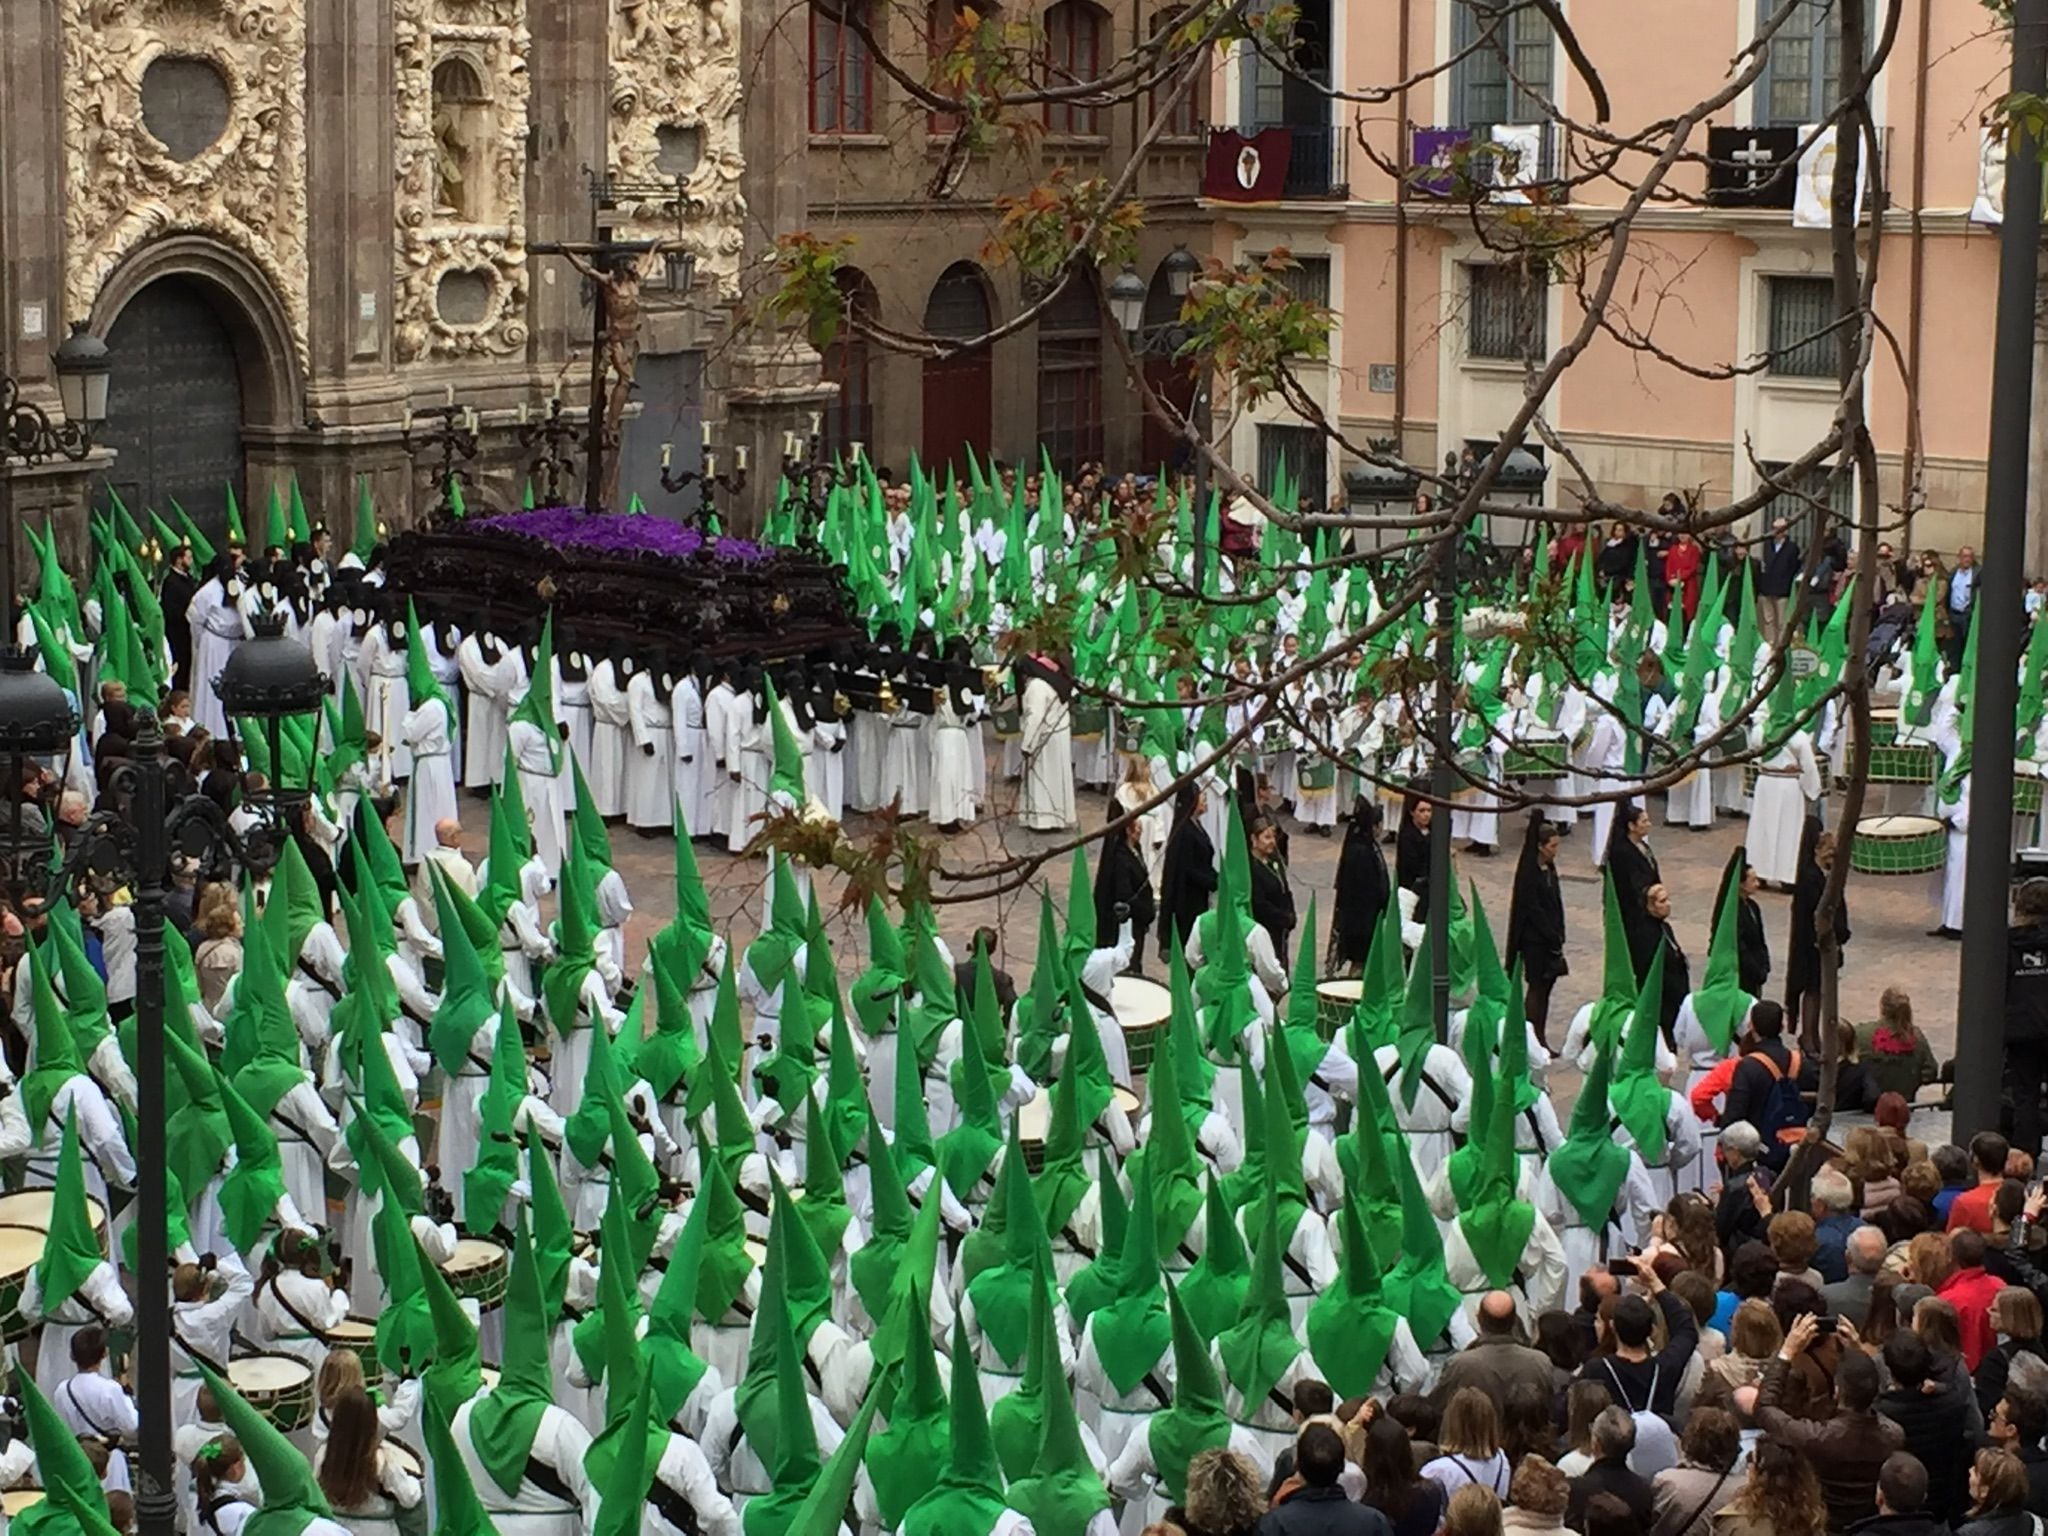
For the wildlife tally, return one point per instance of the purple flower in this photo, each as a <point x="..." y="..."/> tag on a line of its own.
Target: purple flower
<point x="615" y="534"/>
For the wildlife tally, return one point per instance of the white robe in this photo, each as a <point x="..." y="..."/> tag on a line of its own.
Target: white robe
<point x="952" y="764"/>
<point x="695" y="773"/>
<point x="490" y="685"/>
<point x="217" y="628"/>
<point x="533" y="757"/>
<point x="430" y="794"/>
<point x="560" y="1444"/>
<point x="1047" y="741"/>
<point x="1958" y="818"/>
<point x="748" y="766"/>
<point x="610" y="741"/>
<point x="572" y="704"/>
<point x="1787" y="782"/>
<point x="387" y="697"/>
<point x="650" y="760"/>
<point x="718" y="791"/>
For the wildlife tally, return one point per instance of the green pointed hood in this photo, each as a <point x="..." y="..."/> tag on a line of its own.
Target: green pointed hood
<point x="85" y="994"/>
<point x="456" y="1374"/>
<point x="872" y="1267"/>
<point x="419" y="672"/>
<point x="291" y="1498"/>
<point x="1617" y="998"/>
<point x="904" y="1459"/>
<point x="1017" y="1419"/>
<point x="1718" y="1002"/>
<point x="74" y="1503"/>
<point x="1094" y="1285"/>
<point x="510" y="848"/>
<point x="554" y="1241"/>
<point x="1257" y="1349"/>
<point x="1062" y="1492"/>
<point x="53" y="1054"/>
<point x="773" y="1404"/>
<point x="1197" y="1421"/>
<point x="879" y="988"/>
<point x="786" y="777"/>
<point x="502" y="1425"/>
<point x="1368" y="1156"/>
<point x="1215" y="1287"/>
<point x="590" y="831"/>
<point x="457" y="1509"/>
<point x="1002" y="1292"/>
<point x="1041" y="1011"/>
<point x="823" y="1510"/>
<point x="772" y="954"/>
<point x="253" y="1187"/>
<point x="465" y="1005"/>
<point x="1417" y="1027"/>
<point x="197" y="1134"/>
<point x="72" y="1251"/>
<point x="537" y="706"/>
<point x="1640" y="1100"/>
<point x="824" y="1209"/>
<point x="725" y="1263"/>
<point x="486" y="1184"/>
<point x="575" y="943"/>
<point x="628" y="1409"/>
<point x="674" y="1367"/>
<point x="1496" y="1221"/>
<point x="1133" y="1329"/>
<point x="1350" y="1326"/>
<point x="682" y="947"/>
<point x="1591" y="1166"/>
<point x="968" y="1496"/>
<point x="1169" y="1162"/>
<point x="965" y="1152"/>
<point x="1193" y="1075"/>
<point x="1417" y="1287"/>
<point x="405" y="1327"/>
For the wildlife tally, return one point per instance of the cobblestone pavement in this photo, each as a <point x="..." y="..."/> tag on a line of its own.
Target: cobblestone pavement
<point x="1889" y="915"/>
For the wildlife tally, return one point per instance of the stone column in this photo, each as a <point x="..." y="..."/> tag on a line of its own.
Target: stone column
<point x="771" y="373"/>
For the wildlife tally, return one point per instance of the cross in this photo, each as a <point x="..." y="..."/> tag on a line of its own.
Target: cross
<point x="1752" y="158"/>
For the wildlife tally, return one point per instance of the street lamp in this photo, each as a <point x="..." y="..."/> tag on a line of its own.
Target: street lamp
<point x="1521" y="479"/>
<point x="84" y="369"/>
<point x="1127" y="300"/>
<point x="1181" y="267"/>
<point x="267" y="680"/>
<point x="37" y="727"/>
<point x="1381" y="489"/>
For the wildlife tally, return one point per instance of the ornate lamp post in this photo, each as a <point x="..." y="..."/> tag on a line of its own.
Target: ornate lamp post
<point x="267" y="680"/>
<point x="27" y="435"/>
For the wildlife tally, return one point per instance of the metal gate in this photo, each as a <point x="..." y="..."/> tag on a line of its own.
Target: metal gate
<point x="174" y="407"/>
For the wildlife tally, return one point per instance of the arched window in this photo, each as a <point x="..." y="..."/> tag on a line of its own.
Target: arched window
<point x="842" y="73"/>
<point x="1186" y="117"/>
<point x="958" y="392"/>
<point x="1070" y="376"/>
<point x="850" y="418"/>
<point x="1073" y="55"/>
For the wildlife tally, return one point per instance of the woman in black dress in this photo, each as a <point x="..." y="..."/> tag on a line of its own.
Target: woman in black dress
<point x="1802" y="962"/>
<point x="1652" y="930"/>
<point x="1362" y="889"/>
<point x="1272" y="893"/>
<point x="1752" y="945"/>
<point x="1411" y="849"/>
<point x="1123" y="889"/>
<point x="1536" y="931"/>
<point x="1633" y="864"/>
<point x="1187" y="883"/>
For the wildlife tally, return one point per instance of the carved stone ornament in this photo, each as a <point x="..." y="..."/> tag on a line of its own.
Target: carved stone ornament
<point x="461" y="89"/>
<point x="124" y="187"/>
<point x="675" y="64"/>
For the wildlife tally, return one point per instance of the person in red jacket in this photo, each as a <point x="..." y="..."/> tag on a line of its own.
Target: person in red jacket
<point x="1972" y="1208"/>
<point x="1971" y="1290"/>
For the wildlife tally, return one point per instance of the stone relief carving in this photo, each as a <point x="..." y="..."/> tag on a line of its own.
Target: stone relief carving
<point x="675" y="64"/>
<point x="124" y="187"/>
<point x="461" y="166"/>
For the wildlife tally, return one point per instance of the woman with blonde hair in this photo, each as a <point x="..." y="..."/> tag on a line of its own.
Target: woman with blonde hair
<point x="1474" y="1511"/>
<point x="1780" y="1498"/>
<point x="1927" y="1260"/>
<point x="1468" y="1446"/>
<point x="1871" y="1163"/>
<point x="1224" y="1496"/>
<point x="1537" y="1499"/>
<point x="366" y="1480"/>
<point x="1754" y="1337"/>
<point x="218" y="959"/>
<point x="1998" y="1497"/>
<point x="342" y="1371"/>
<point x="2016" y="1318"/>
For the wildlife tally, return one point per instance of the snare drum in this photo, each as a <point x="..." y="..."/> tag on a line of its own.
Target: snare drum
<point x="1034" y="1118"/>
<point x="356" y="1333"/>
<point x="479" y="1271"/>
<point x="1317" y="774"/>
<point x="408" y="1457"/>
<point x="1884" y="726"/>
<point x="1089" y="717"/>
<point x="19" y="1501"/>
<point x="1902" y="763"/>
<point x="280" y="1387"/>
<point x="21" y="1249"/>
<point x="1336" y="1001"/>
<point x="33" y="1208"/>
<point x="1537" y="756"/>
<point x="1898" y="845"/>
<point x="1142" y="1008"/>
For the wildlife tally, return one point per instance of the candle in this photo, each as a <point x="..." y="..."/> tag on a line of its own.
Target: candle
<point x="739" y="458"/>
<point x="667" y="452"/>
<point x="472" y="418"/>
<point x="524" y="413"/>
<point x="710" y="463"/>
<point x="707" y="434"/>
<point x="451" y="394"/>
<point x="790" y="450"/>
<point x="857" y="455"/>
<point x="817" y="422"/>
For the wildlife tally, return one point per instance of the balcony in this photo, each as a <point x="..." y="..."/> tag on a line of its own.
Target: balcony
<point x="1506" y="163"/>
<point x="1267" y="162"/>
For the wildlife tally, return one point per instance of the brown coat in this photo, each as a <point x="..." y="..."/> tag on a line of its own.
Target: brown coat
<point x="1493" y="1363"/>
<point x="1846" y="1450"/>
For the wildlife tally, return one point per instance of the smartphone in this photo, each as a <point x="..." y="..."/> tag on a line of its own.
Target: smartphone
<point x="1623" y="1269"/>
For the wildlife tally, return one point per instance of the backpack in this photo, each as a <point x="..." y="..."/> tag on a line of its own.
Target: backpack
<point x="1785" y="1111"/>
<point x="1656" y="1447"/>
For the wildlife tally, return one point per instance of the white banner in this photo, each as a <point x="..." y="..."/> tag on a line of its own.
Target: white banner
<point x="1989" y="206"/>
<point x="1812" y="199"/>
<point x="1517" y="160"/>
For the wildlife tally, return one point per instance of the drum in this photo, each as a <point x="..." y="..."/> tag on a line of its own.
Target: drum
<point x="479" y="1271"/>
<point x="280" y="1387"/>
<point x="1884" y="726"/>
<point x="1090" y="717"/>
<point x="408" y="1457"/>
<point x="1035" y="1118"/>
<point x="1336" y="1001"/>
<point x="356" y="1333"/>
<point x="19" y="1501"/>
<point x="21" y="1248"/>
<point x="1142" y="1008"/>
<point x="1538" y="757"/>
<point x="1318" y="773"/>
<point x="1899" y="845"/>
<point x="1902" y="763"/>
<point x="2026" y="789"/>
<point x="1006" y="716"/>
<point x="32" y="1208"/>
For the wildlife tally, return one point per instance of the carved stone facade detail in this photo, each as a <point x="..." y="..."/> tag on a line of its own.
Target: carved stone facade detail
<point x="461" y="113"/>
<point x="124" y="186"/>
<point x="675" y="74"/>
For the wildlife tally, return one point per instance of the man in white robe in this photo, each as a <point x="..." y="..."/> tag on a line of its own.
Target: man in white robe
<point x="217" y="628"/>
<point x="533" y="758"/>
<point x="1047" y="743"/>
<point x="1787" y="782"/>
<point x="610" y="739"/>
<point x="650" y="760"/>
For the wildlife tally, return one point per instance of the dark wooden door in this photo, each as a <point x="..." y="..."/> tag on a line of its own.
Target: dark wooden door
<point x="174" y="405"/>
<point x="957" y="409"/>
<point x="1174" y="383"/>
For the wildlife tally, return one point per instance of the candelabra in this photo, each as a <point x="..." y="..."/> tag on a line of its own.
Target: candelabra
<point x="455" y="438"/>
<point x="805" y="465"/>
<point x="552" y="435"/>
<point x="709" y="481"/>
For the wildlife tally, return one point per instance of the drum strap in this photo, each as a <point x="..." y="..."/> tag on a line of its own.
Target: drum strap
<point x="549" y="1482"/>
<point x="306" y="970"/>
<point x="673" y="1507"/>
<point x="178" y="1338"/>
<point x="1427" y="1081"/>
<point x="298" y="1132"/>
<point x="297" y="1316"/>
<point x="71" y="1397"/>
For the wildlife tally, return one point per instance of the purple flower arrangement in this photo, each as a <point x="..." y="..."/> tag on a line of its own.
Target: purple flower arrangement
<point x="616" y="533"/>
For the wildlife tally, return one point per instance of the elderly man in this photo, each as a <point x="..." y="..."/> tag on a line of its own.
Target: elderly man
<point x="446" y="855"/>
<point x="1496" y="1360"/>
<point x="1834" y="1219"/>
<point x="1737" y="1218"/>
<point x="1864" y="1255"/>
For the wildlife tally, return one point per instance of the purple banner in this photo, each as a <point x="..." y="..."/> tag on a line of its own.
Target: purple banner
<point x="1430" y="155"/>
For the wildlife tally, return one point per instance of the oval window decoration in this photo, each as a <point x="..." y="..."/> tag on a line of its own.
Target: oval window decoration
<point x="186" y="104"/>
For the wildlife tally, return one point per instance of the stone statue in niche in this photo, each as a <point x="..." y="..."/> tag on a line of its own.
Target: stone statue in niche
<point x="461" y="126"/>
